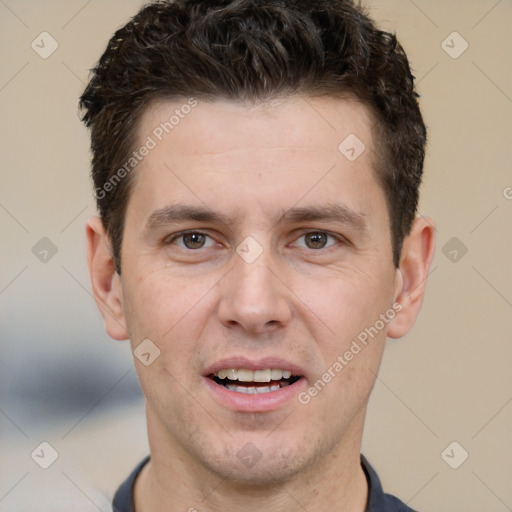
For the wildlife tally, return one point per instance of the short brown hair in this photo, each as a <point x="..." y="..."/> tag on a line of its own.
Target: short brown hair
<point x="254" y="50"/>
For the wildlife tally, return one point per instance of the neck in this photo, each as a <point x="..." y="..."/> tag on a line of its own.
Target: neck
<point x="174" y="481"/>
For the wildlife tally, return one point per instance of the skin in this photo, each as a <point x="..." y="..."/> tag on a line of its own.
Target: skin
<point x="301" y="303"/>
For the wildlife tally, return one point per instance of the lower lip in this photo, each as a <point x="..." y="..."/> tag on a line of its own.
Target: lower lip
<point x="260" y="402"/>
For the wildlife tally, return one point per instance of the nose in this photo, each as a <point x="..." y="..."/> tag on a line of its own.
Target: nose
<point x="253" y="298"/>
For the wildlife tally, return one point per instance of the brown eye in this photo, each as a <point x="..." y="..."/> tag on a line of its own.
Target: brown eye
<point x="194" y="240"/>
<point x="316" y="240"/>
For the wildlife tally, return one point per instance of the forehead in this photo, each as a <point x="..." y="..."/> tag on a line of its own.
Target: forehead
<point x="263" y="155"/>
<point x="297" y="122"/>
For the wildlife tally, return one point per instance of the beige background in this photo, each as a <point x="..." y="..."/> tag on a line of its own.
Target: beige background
<point x="65" y="382"/>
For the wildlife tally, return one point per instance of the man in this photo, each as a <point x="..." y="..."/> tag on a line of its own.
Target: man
<point x="256" y="168"/>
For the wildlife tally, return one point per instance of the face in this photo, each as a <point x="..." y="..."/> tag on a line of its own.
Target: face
<point x="256" y="255"/>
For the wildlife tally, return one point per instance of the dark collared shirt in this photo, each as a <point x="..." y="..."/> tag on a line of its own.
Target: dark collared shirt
<point x="378" y="501"/>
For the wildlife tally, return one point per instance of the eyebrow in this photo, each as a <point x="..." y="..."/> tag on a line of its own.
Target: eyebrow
<point x="331" y="212"/>
<point x="175" y="213"/>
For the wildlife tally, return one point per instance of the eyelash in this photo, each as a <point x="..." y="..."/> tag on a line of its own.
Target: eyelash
<point x="177" y="236"/>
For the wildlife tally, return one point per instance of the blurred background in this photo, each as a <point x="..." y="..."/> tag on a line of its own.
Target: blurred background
<point x="440" y="417"/>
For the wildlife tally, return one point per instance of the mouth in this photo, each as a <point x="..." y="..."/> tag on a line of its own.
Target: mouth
<point x="247" y="385"/>
<point x="253" y="382"/>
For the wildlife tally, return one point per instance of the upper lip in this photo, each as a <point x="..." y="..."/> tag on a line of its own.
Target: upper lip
<point x="254" y="364"/>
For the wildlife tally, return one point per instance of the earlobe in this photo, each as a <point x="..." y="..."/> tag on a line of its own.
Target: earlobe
<point x="417" y="254"/>
<point x="105" y="282"/>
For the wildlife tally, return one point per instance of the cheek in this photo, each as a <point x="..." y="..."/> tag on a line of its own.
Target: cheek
<point x="170" y="312"/>
<point x="353" y="349"/>
<point x="164" y="308"/>
<point x="343" y="304"/>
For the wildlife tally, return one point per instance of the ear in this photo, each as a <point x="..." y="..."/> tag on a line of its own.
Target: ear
<point x="417" y="254"/>
<point x="105" y="281"/>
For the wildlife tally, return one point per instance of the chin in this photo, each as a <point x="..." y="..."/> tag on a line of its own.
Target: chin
<point x="260" y="462"/>
<point x="271" y="470"/>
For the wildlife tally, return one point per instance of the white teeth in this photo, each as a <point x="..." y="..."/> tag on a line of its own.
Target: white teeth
<point x="276" y="374"/>
<point x="251" y="390"/>
<point x="244" y="375"/>
<point x="229" y="376"/>
<point x="262" y="375"/>
<point x="254" y="390"/>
